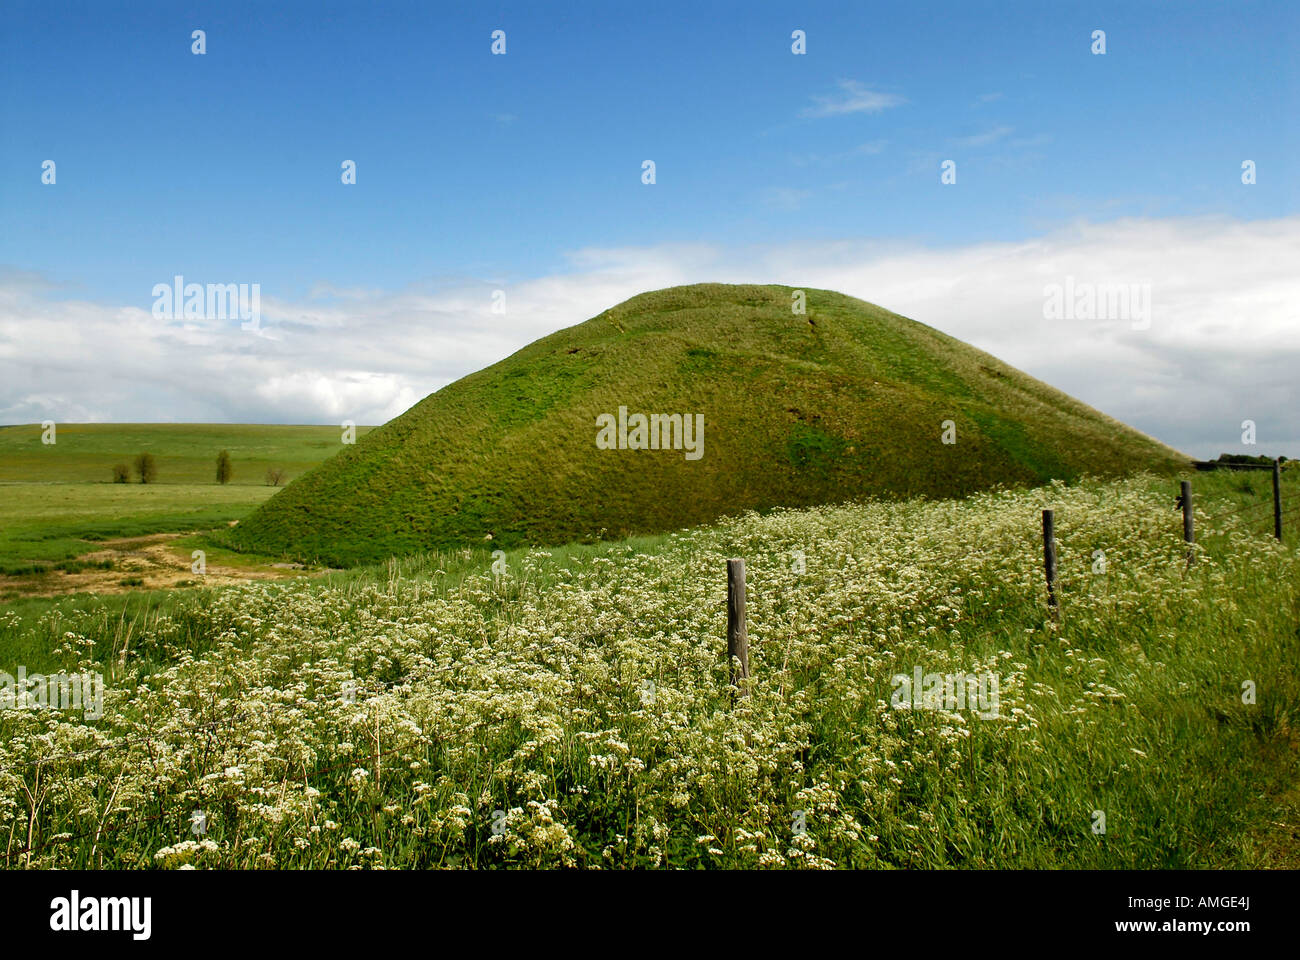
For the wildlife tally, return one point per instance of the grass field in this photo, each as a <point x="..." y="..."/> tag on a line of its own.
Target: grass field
<point x="57" y="501"/>
<point x="572" y="707"/>
<point x="846" y="400"/>
<point x="186" y="452"/>
<point x="45" y="525"/>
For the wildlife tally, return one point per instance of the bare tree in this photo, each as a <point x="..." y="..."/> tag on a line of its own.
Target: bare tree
<point x="275" y="476"/>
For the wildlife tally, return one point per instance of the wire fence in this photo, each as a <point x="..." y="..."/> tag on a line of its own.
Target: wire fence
<point x="352" y="691"/>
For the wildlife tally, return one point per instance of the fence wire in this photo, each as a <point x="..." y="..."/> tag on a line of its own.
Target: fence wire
<point x="102" y="829"/>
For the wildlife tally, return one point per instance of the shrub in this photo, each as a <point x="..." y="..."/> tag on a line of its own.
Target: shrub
<point x="224" y="468"/>
<point x="121" y="473"/>
<point x="1246" y="458"/>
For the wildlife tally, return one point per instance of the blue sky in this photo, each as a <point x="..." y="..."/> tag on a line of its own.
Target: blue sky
<point x="476" y="170"/>
<point x="471" y="164"/>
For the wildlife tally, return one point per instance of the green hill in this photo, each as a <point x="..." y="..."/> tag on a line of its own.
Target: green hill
<point x="845" y="401"/>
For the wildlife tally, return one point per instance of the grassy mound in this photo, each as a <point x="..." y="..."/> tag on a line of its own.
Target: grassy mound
<point x="844" y="401"/>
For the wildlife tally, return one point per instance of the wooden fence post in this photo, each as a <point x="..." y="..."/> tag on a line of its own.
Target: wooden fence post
<point x="1277" y="498"/>
<point x="737" y="632"/>
<point x="1189" y="533"/>
<point x="1049" y="562"/>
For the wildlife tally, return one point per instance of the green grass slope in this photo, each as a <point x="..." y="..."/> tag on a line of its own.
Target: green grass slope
<point x="843" y="402"/>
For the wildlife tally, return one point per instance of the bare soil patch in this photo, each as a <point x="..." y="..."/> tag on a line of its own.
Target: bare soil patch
<point x="139" y="563"/>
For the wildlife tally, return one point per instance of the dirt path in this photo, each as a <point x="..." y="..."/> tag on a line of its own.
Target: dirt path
<point x="139" y="563"/>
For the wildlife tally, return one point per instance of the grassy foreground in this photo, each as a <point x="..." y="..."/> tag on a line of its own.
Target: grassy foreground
<point x="572" y="708"/>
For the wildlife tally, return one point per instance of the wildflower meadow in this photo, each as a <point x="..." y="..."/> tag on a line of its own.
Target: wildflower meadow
<point x="572" y="707"/>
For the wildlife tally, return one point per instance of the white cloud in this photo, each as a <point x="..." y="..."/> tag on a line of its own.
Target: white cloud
<point x="785" y="198"/>
<point x="1223" y="344"/>
<point x="983" y="139"/>
<point x="869" y="149"/>
<point x="854" y="98"/>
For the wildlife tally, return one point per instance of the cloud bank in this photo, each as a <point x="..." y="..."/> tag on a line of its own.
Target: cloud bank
<point x="1222" y="345"/>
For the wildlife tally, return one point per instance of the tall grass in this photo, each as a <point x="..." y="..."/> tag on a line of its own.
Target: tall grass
<point x="573" y="708"/>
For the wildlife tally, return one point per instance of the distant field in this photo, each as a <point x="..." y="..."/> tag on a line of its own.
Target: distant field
<point x="44" y="524"/>
<point x="185" y="452"/>
<point x="57" y="501"/>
